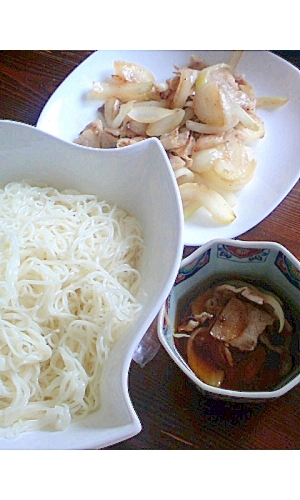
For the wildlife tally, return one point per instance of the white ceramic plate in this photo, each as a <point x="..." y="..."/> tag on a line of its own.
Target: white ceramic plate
<point x="68" y="112"/>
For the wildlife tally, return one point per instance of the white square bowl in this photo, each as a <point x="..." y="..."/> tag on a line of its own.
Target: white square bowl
<point x="140" y="180"/>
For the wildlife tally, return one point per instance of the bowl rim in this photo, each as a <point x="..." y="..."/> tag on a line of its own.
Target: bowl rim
<point x="177" y="358"/>
<point x="239" y="243"/>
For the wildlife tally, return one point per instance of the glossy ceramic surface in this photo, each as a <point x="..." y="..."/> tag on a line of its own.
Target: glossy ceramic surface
<point x="121" y="177"/>
<point x="259" y="262"/>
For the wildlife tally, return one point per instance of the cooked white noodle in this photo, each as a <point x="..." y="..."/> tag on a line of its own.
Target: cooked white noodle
<point x="68" y="284"/>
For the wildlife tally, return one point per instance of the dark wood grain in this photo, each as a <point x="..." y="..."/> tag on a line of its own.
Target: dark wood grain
<point x="28" y="78"/>
<point x="173" y="413"/>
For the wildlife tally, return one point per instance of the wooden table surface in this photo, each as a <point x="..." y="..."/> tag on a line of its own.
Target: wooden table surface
<point x="172" y="412"/>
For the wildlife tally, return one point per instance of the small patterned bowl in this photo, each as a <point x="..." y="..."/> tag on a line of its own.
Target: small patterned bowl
<point x="266" y="263"/>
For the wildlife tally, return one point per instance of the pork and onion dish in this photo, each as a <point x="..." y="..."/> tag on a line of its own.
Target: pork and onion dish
<point x="206" y="117"/>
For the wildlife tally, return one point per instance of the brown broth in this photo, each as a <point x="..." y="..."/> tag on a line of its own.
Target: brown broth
<point x="257" y="370"/>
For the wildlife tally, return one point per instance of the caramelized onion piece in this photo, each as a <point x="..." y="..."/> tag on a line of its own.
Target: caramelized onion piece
<point x="203" y="369"/>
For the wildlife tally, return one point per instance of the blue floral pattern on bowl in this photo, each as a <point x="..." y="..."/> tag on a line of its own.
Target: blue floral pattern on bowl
<point x="240" y="254"/>
<point x="288" y="269"/>
<point x="192" y="268"/>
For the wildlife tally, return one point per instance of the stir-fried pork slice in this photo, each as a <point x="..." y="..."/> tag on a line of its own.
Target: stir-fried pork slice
<point x="95" y="136"/>
<point x="240" y="324"/>
<point x="231" y="321"/>
<point x="128" y="142"/>
<point x="131" y="128"/>
<point x="175" y="139"/>
<point x="258" y="320"/>
<point x="181" y="169"/>
<point x="207" y="141"/>
<point x="197" y="63"/>
<point x="176" y="162"/>
<point x="187" y="145"/>
<point x="179" y="145"/>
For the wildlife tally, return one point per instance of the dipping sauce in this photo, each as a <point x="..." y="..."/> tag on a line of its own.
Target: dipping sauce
<point x="236" y="336"/>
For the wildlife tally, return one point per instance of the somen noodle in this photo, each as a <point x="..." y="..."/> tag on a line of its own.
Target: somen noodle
<point x="68" y="285"/>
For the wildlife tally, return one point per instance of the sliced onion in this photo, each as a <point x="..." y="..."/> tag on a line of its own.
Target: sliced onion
<point x="247" y="291"/>
<point x="237" y="162"/>
<point x="180" y="169"/>
<point x="187" y="79"/>
<point x="132" y="72"/>
<point x="114" y="114"/>
<point x="228" y="166"/>
<point x="270" y="102"/>
<point x="203" y="128"/>
<point x="190" y="197"/>
<point x="245" y="118"/>
<point x="111" y="109"/>
<point x="211" y="105"/>
<point x="194" y="196"/>
<point x="275" y="304"/>
<point x="159" y="104"/>
<point x="221" y="184"/>
<point x="165" y="125"/>
<point x="228" y="170"/>
<point x="183" y="175"/>
<point x="234" y="59"/>
<point x="205" y="74"/>
<point x="229" y="196"/>
<point x="149" y="114"/>
<point x="125" y="91"/>
<point x="252" y="135"/>
<point x="205" y="159"/>
<point x="188" y="115"/>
